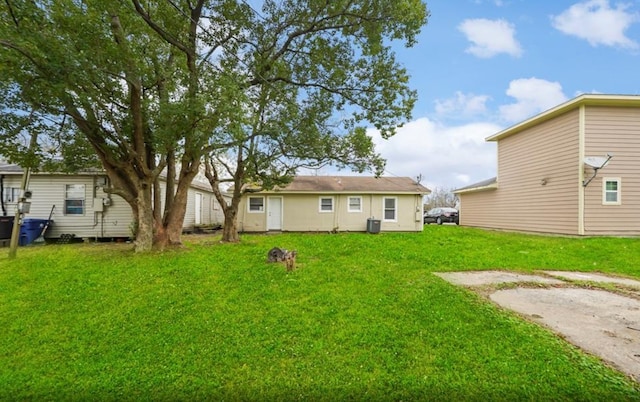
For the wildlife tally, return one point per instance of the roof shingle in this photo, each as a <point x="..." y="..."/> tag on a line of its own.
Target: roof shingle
<point x="342" y="184"/>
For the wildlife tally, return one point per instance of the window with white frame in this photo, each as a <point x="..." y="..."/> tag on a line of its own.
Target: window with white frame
<point x="74" y="199"/>
<point x="11" y="194"/>
<point x="355" y="204"/>
<point x="390" y="212"/>
<point x="256" y="204"/>
<point x="611" y="191"/>
<point x="326" y="204"/>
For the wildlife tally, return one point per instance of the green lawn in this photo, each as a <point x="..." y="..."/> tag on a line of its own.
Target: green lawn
<point x="362" y="318"/>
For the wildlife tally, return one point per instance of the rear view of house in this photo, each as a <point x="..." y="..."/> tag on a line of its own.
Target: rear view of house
<point x="574" y="169"/>
<point x="80" y="207"/>
<point x="335" y="203"/>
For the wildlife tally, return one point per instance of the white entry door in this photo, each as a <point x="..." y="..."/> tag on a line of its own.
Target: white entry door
<point x="198" y="209"/>
<point x="274" y="213"/>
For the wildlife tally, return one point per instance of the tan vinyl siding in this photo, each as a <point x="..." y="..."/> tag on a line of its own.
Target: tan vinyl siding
<point x="254" y="221"/>
<point x="547" y="151"/>
<point x="301" y="213"/>
<point x="615" y="131"/>
<point x="479" y="209"/>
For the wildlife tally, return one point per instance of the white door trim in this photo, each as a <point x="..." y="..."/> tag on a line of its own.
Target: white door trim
<point x="198" y="209"/>
<point x="274" y="213"/>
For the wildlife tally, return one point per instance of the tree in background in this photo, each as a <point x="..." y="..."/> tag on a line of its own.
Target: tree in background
<point x="154" y="87"/>
<point x="441" y="197"/>
<point x="131" y="79"/>
<point x="307" y="76"/>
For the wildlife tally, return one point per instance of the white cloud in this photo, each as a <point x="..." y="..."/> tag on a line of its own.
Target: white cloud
<point x="533" y="95"/>
<point x="462" y="105"/>
<point x="597" y="23"/>
<point x="447" y="157"/>
<point x="490" y="37"/>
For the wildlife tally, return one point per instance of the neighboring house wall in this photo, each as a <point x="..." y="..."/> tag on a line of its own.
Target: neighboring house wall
<point x="479" y="209"/>
<point x="96" y="219"/>
<point x="209" y="211"/>
<point x="542" y="171"/>
<point x="615" y="131"/>
<point x="546" y="152"/>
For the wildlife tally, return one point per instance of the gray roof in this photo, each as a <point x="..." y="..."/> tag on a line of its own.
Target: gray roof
<point x="353" y="184"/>
<point x="10" y="168"/>
<point x="481" y="185"/>
<point x="580" y="100"/>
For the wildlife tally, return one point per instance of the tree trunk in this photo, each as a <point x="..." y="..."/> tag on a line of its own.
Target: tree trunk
<point x="230" y="228"/>
<point x="174" y="219"/>
<point x="169" y="227"/>
<point x="145" y="222"/>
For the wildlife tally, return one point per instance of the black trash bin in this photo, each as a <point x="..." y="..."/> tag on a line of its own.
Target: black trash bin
<point x="373" y="225"/>
<point x="6" y="226"/>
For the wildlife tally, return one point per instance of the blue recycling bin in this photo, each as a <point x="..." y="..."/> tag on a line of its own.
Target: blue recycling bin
<point x="30" y="230"/>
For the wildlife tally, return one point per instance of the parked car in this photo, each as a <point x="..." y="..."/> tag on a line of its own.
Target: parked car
<point x="441" y="215"/>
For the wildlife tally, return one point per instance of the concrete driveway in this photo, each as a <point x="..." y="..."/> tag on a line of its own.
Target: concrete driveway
<point x="596" y="312"/>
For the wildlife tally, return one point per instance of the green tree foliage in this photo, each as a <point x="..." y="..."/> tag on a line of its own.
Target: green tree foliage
<point x="153" y="87"/>
<point x="309" y="77"/>
<point x="132" y="77"/>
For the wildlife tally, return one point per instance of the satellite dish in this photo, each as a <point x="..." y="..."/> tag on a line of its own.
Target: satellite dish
<point x="597" y="162"/>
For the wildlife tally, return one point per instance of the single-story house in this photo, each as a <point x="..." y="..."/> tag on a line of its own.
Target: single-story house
<point x="79" y="206"/>
<point x="335" y="203"/>
<point x="573" y="169"/>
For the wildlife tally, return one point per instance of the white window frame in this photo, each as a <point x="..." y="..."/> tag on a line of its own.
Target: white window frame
<point x="11" y="194"/>
<point x="617" y="192"/>
<point x="357" y="197"/>
<point x="255" y="211"/>
<point x="395" y="209"/>
<point x="77" y="188"/>
<point x="326" y="211"/>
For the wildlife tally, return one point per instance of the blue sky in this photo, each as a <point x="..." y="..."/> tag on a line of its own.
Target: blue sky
<point x="483" y="65"/>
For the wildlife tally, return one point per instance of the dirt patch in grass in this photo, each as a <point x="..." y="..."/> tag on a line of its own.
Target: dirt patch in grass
<point x="596" y="312"/>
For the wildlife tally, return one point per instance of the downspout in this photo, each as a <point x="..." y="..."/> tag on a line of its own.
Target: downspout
<point x="581" y="153"/>
<point x="371" y="206"/>
<point x="336" y="220"/>
<point x="4" y="209"/>
<point x="418" y="215"/>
